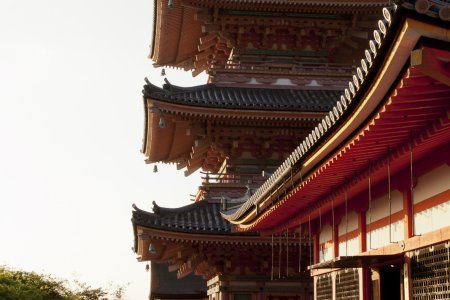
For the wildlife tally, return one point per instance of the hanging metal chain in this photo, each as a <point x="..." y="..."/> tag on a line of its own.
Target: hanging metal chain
<point x="279" y="257"/>
<point x="310" y="244"/>
<point x="300" y="248"/>
<point x="370" y="208"/>
<point x="389" y="195"/>
<point x="287" y="252"/>
<point x="412" y="185"/>
<point x="346" y="223"/>
<point x="320" y="232"/>
<point x="271" y="273"/>
<point x="333" y="235"/>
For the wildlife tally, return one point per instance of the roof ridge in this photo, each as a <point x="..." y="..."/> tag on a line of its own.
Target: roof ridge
<point x="167" y="211"/>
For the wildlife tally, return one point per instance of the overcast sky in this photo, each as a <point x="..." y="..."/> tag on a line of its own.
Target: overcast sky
<point x="71" y="126"/>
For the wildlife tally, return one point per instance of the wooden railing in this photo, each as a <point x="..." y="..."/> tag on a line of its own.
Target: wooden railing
<point x="276" y="66"/>
<point x="239" y="179"/>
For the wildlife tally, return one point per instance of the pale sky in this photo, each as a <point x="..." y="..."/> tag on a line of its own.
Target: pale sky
<point x="71" y="125"/>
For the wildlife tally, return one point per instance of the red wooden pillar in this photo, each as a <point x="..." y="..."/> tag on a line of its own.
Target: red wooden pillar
<point x="336" y="240"/>
<point x="366" y="282"/>
<point x="316" y="247"/>
<point x="223" y="295"/>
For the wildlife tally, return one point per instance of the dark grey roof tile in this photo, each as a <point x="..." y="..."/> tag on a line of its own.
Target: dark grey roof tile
<point x="199" y="217"/>
<point x="210" y="95"/>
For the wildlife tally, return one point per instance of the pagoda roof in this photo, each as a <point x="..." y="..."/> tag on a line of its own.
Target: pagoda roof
<point x="266" y="99"/>
<point x="184" y="111"/>
<point x="178" y="28"/>
<point x="199" y="217"/>
<point x="386" y="102"/>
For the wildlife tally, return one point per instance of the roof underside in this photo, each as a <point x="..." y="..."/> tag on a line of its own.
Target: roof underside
<point x="179" y="29"/>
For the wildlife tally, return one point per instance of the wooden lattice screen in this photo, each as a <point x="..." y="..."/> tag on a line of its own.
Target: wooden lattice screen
<point x="347" y="284"/>
<point x="430" y="272"/>
<point x="324" y="287"/>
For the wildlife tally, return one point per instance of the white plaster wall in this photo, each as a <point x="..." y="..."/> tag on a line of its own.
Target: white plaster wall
<point x="432" y="219"/>
<point x="378" y="238"/>
<point x="352" y="247"/>
<point x="432" y="183"/>
<point x="325" y="254"/>
<point x="380" y="206"/>
<point x="325" y="234"/>
<point x="352" y="223"/>
<point x="283" y="81"/>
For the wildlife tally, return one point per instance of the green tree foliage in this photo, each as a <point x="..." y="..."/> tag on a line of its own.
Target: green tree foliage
<point x="21" y="285"/>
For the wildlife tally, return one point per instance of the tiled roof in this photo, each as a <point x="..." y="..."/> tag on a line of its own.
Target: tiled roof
<point x="210" y="95"/>
<point x="351" y="95"/>
<point x="293" y="4"/>
<point x="199" y="217"/>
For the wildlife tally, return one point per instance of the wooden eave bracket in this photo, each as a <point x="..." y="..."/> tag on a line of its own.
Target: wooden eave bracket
<point x="432" y="62"/>
<point x="189" y="266"/>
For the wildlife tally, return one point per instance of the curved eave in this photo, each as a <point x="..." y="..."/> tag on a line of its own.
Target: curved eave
<point x="212" y="96"/>
<point x="175" y="35"/>
<point x="158" y="143"/>
<point x="310" y="154"/>
<point x="176" y="32"/>
<point x="198" y="221"/>
<point x="199" y="217"/>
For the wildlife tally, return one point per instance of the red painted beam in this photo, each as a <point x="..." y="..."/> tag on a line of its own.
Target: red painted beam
<point x="432" y="62"/>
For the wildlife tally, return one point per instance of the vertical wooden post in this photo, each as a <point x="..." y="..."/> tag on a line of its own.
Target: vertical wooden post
<point x="336" y="240"/>
<point x="365" y="284"/>
<point x="223" y="294"/>
<point x="316" y="247"/>
<point x="271" y="271"/>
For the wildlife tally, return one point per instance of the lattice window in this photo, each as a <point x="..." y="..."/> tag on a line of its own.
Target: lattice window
<point x="347" y="284"/>
<point x="324" y="287"/>
<point x="430" y="272"/>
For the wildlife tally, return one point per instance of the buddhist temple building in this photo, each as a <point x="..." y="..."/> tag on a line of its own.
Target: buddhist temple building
<point x="369" y="186"/>
<point x="322" y="136"/>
